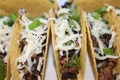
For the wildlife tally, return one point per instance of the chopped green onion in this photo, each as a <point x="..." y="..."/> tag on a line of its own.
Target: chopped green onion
<point x="95" y="15"/>
<point x="43" y="16"/>
<point x="74" y="12"/>
<point x="101" y="10"/>
<point x="2" y="70"/>
<point x="106" y="21"/>
<point x="11" y="20"/>
<point x="68" y="43"/>
<point x="1" y="16"/>
<point x="108" y="51"/>
<point x="34" y="24"/>
<point x="75" y="60"/>
<point x="70" y="64"/>
<point x="12" y="16"/>
<point x="62" y="14"/>
<point x="72" y="25"/>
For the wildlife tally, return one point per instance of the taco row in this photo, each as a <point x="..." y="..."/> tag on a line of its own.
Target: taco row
<point x="73" y="31"/>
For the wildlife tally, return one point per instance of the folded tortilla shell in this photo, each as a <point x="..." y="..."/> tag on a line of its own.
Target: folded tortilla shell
<point x="15" y="51"/>
<point x="82" y="51"/>
<point x="91" y="5"/>
<point x="34" y="7"/>
<point x="114" y="23"/>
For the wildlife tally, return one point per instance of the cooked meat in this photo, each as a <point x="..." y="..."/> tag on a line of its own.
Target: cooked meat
<point x="34" y="73"/>
<point x="67" y="4"/>
<point x="22" y="44"/>
<point x="68" y="72"/>
<point x="34" y="70"/>
<point x="30" y="77"/>
<point x="68" y="75"/>
<point x="71" y="52"/>
<point x="2" y="55"/>
<point x="105" y="39"/>
<point x="95" y="43"/>
<point x="105" y="72"/>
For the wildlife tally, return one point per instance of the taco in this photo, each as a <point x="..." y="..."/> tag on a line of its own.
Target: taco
<point x="69" y="43"/>
<point x="29" y="48"/>
<point x="6" y="23"/>
<point x="103" y="43"/>
<point x="34" y="8"/>
<point x="93" y="4"/>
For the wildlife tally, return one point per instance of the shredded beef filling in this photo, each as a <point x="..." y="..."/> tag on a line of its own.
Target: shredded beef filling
<point x="2" y="56"/>
<point x="33" y="75"/>
<point x="68" y="72"/>
<point x="105" y="71"/>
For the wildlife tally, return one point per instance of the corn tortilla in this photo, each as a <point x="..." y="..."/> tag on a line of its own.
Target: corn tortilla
<point x="82" y="51"/>
<point x="114" y="23"/>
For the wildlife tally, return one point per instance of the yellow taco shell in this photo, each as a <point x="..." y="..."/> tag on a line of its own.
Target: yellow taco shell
<point x="82" y="51"/>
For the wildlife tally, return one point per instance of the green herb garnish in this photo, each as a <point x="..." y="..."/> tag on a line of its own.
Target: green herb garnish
<point x="1" y="16"/>
<point x="2" y="70"/>
<point x="12" y="16"/>
<point x="11" y="20"/>
<point x="106" y="21"/>
<point x="101" y="10"/>
<point x="75" y="60"/>
<point x="68" y="43"/>
<point x="34" y="24"/>
<point x="72" y="25"/>
<point x="95" y="15"/>
<point x="43" y="16"/>
<point x="108" y="51"/>
<point x="62" y="14"/>
<point x="70" y="64"/>
<point x="74" y="12"/>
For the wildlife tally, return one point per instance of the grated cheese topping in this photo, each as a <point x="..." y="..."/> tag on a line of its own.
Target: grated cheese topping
<point x="97" y="27"/>
<point x="34" y="44"/>
<point x="5" y="33"/>
<point x="66" y="39"/>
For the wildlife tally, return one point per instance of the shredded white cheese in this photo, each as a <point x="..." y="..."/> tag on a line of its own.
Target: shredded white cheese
<point x="34" y="43"/>
<point x="97" y="27"/>
<point x="60" y="27"/>
<point x="5" y="33"/>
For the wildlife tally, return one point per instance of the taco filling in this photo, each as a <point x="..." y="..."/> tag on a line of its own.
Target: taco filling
<point x="33" y="45"/>
<point x="117" y="10"/>
<point x="5" y="33"/>
<point x="68" y="42"/>
<point x="103" y="38"/>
